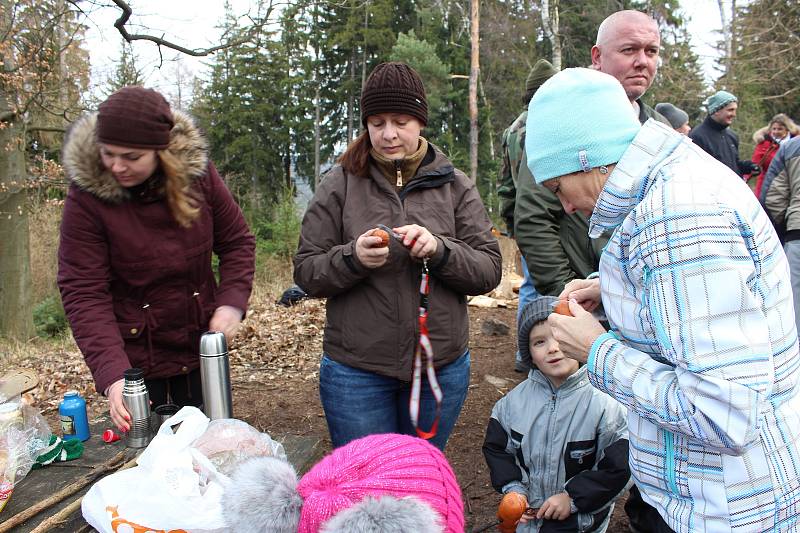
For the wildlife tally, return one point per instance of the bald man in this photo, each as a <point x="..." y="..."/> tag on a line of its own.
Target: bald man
<point x="556" y="245"/>
<point x="627" y="47"/>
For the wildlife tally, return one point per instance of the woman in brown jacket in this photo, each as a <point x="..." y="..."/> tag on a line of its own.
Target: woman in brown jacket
<point x="392" y="176"/>
<point x="144" y="213"/>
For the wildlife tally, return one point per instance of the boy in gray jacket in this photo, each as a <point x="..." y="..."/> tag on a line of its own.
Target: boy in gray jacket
<point x="556" y="439"/>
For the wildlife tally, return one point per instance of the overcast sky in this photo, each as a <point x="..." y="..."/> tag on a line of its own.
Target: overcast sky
<point x="192" y="23"/>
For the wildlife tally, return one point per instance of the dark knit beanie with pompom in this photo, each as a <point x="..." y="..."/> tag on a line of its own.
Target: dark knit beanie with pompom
<point x="394" y="88"/>
<point x="135" y="117"/>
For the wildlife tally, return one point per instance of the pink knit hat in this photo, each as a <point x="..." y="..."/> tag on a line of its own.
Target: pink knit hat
<point x="383" y="483"/>
<point x="377" y="465"/>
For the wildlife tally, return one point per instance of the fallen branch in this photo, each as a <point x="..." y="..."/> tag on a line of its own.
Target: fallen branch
<point x="58" y="518"/>
<point x="111" y="464"/>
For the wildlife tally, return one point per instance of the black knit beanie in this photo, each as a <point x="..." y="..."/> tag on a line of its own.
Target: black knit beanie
<point x="135" y="117"/>
<point x="394" y="88"/>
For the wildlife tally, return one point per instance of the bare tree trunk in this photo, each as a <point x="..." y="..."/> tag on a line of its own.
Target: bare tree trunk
<point x="316" y="102"/>
<point x="550" y="25"/>
<point x="16" y="305"/>
<point x="474" y="71"/>
<point x="351" y="98"/>
<point x="728" y="35"/>
<point x="493" y="202"/>
<point x="364" y="56"/>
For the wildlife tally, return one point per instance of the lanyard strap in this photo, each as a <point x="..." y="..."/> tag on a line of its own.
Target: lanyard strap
<point x="424" y="345"/>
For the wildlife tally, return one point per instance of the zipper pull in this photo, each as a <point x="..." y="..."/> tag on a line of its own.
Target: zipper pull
<point x="399" y="173"/>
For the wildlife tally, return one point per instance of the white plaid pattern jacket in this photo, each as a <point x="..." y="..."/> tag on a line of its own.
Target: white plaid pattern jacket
<point x="703" y="348"/>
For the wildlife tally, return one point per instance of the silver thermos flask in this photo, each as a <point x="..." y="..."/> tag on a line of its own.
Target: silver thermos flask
<point x="137" y="402"/>
<point x="216" y="376"/>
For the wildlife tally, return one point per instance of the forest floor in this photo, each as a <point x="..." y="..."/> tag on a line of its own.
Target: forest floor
<point x="274" y="366"/>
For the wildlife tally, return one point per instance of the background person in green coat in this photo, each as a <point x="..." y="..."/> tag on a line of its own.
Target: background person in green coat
<point x="515" y="176"/>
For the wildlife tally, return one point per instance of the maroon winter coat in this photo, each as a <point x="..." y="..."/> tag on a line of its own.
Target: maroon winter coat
<point x="137" y="287"/>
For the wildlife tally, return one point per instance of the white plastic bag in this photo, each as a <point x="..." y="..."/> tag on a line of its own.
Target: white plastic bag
<point x="174" y="487"/>
<point x="23" y="434"/>
<point x="227" y="442"/>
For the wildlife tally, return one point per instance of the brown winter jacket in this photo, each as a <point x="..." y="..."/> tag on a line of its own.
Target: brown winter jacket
<point x="138" y="288"/>
<point x="372" y="314"/>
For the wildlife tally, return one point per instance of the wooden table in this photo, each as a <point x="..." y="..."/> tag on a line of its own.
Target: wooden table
<point x="302" y="452"/>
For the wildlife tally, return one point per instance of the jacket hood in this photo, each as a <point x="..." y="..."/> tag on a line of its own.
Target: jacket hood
<point x="761" y="135"/>
<point x="84" y="168"/>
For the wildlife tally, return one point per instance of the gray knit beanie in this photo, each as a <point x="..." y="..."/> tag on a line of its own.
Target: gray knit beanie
<point x="677" y="117"/>
<point x="535" y="311"/>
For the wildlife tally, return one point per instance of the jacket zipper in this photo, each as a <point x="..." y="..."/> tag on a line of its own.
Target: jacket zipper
<point x="399" y="173"/>
<point x="551" y="431"/>
<point x="669" y="461"/>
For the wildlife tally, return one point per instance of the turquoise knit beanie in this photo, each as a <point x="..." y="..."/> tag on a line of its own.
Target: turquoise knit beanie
<point x="578" y="120"/>
<point x="718" y="100"/>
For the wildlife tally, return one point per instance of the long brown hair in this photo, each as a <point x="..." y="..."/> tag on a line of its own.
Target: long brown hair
<point x="177" y="189"/>
<point x="355" y="159"/>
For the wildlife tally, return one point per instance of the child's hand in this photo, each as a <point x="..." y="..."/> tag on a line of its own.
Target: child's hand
<point x="556" y="507"/>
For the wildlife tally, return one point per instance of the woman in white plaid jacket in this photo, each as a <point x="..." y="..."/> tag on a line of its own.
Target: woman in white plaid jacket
<point x="703" y="347"/>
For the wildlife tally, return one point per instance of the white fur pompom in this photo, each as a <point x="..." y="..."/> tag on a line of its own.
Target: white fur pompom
<point x="386" y="515"/>
<point x="263" y="497"/>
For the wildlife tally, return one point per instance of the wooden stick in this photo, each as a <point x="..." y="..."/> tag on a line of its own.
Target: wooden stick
<point x="33" y="510"/>
<point x="64" y="514"/>
<point x="58" y="518"/>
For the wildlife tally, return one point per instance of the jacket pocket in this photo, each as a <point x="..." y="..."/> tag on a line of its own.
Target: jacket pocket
<point x="579" y="456"/>
<point x="131" y="330"/>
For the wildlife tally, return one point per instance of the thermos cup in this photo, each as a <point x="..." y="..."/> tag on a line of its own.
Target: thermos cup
<point x="72" y="411"/>
<point x="215" y="375"/>
<point x="137" y="402"/>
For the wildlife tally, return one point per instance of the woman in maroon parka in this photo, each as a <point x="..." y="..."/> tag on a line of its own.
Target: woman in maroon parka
<point x="146" y="209"/>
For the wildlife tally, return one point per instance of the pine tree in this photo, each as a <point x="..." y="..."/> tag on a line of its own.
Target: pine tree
<point x="126" y="72"/>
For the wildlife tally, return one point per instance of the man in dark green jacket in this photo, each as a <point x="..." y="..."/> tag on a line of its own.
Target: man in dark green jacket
<point x="556" y="246"/>
<point x="515" y="177"/>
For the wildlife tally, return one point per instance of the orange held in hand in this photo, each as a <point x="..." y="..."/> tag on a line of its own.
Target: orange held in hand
<point x="562" y="308"/>
<point x="510" y="510"/>
<point x="384" y="238"/>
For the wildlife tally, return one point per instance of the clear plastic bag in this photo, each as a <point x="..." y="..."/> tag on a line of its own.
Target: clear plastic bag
<point x="23" y="434"/>
<point x="228" y="442"/>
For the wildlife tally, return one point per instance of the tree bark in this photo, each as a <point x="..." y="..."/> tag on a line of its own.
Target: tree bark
<point x="550" y="25"/>
<point x="316" y="100"/>
<point x="474" y="71"/>
<point x="16" y="295"/>
<point x="351" y="97"/>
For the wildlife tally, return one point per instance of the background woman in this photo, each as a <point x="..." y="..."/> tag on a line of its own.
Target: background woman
<point x="391" y="175"/>
<point x="768" y="139"/>
<point x="144" y="213"/>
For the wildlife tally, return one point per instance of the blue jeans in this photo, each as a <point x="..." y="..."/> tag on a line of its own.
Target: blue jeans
<point x="527" y="292"/>
<point x="359" y="403"/>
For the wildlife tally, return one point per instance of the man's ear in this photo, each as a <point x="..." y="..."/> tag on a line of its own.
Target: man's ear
<point x="596" y="57"/>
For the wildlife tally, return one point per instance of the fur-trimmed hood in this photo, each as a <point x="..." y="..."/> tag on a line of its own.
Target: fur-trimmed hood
<point x="762" y="134"/>
<point x="83" y="166"/>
